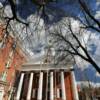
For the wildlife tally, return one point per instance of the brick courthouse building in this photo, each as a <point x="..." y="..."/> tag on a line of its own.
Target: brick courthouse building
<point x="33" y="81"/>
<point x="44" y="80"/>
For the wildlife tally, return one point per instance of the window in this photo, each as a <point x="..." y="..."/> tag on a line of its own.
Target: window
<point x="59" y="93"/>
<point x="59" y="77"/>
<point x="9" y="61"/>
<point x="34" y="93"/>
<point x="4" y="76"/>
<point x="7" y="65"/>
<point x="1" y="43"/>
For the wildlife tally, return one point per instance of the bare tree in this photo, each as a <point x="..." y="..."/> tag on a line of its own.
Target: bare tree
<point x="90" y="21"/>
<point x="71" y="48"/>
<point x="67" y="41"/>
<point x="9" y="23"/>
<point x="5" y="20"/>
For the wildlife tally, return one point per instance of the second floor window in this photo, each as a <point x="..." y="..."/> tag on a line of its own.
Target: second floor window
<point x="3" y="76"/>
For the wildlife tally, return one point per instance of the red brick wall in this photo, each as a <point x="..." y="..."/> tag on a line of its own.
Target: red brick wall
<point x="69" y="94"/>
<point x="17" y="60"/>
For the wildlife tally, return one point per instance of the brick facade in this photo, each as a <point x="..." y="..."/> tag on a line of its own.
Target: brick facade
<point x="9" y="63"/>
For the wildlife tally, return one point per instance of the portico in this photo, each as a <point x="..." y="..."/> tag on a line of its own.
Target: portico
<point x="46" y="82"/>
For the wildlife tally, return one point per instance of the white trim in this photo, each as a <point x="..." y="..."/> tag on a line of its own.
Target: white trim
<point x="45" y="67"/>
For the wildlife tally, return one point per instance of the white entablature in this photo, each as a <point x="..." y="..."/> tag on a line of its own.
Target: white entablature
<point x="45" y="66"/>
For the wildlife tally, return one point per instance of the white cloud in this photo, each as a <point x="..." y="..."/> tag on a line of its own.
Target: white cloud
<point x="8" y="11"/>
<point x="97" y="74"/>
<point x="82" y="64"/>
<point x="75" y="25"/>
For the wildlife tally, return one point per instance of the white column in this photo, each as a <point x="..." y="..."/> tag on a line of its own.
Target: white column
<point x="30" y="87"/>
<point x="74" y="87"/>
<point x="63" y="86"/>
<point x="39" y="97"/>
<point x="51" y="86"/>
<point x="20" y="87"/>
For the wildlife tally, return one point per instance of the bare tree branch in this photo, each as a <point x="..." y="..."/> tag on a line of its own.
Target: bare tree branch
<point x="73" y="50"/>
<point x="91" y="18"/>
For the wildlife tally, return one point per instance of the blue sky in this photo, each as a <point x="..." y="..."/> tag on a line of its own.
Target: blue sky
<point x="87" y="74"/>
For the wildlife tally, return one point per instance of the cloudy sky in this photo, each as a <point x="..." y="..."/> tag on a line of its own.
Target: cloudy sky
<point x="37" y="41"/>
